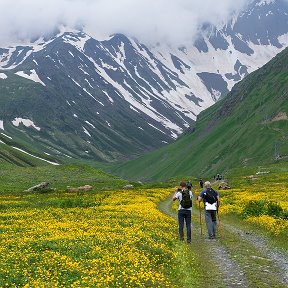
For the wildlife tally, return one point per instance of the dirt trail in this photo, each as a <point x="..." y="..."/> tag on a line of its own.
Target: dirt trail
<point x="242" y="258"/>
<point x="279" y="258"/>
<point x="231" y="273"/>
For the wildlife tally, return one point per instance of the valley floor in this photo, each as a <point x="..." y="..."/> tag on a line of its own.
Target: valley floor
<point x="239" y="257"/>
<point x="106" y="238"/>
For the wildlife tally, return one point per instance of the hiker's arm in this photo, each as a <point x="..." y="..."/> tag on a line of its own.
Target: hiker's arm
<point x="175" y="196"/>
<point x="200" y="196"/>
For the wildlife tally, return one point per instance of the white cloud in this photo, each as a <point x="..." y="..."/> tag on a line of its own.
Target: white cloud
<point x="148" y="20"/>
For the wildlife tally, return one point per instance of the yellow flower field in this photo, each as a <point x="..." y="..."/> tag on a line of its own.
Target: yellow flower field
<point x="105" y="239"/>
<point x="265" y="192"/>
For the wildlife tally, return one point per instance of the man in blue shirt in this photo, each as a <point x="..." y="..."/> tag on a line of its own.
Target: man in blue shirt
<point x="211" y="201"/>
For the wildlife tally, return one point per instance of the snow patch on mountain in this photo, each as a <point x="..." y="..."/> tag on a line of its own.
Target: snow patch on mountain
<point x="85" y="90"/>
<point x="26" y="122"/>
<point x="156" y="128"/>
<point x="14" y="56"/>
<point x="131" y="107"/>
<point x="25" y="152"/>
<point x="260" y="55"/>
<point x="1" y="125"/>
<point x="109" y="98"/>
<point x="90" y="124"/>
<point x="77" y="40"/>
<point x="31" y="75"/>
<point x="75" y="81"/>
<point x="104" y="65"/>
<point x="3" y="76"/>
<point x="283" y="39"/>
<point x="6" y="136"/>
<point x="86" y="131"/>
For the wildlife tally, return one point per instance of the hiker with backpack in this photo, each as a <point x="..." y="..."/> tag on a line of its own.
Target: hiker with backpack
<point x="184" y="197"/>
<point x="211" y="201"/>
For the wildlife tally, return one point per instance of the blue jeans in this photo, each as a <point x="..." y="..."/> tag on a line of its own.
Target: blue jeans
<point x="184" y="215"/>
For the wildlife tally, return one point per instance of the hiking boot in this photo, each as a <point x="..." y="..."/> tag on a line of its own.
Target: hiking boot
<point x="188" y="241"/>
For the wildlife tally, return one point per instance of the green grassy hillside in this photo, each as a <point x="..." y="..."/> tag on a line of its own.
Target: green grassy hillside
<point x="19" y="153"/>
<point x="70" y="123"/>
<point x="248" y="127"/>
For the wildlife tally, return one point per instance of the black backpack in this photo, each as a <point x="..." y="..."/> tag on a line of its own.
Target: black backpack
<point x="186" y="201"/>
<point x="210" y="196"/>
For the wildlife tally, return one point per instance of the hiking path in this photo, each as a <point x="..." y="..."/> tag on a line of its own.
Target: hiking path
<point x="238" y="257"/>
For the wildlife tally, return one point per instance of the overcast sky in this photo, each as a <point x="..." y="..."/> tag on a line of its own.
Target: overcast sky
<point x="174" y="21"/>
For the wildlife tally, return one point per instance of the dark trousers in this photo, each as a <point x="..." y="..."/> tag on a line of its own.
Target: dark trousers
<point x="210" y="217"/>
<point x="184" y="215"/>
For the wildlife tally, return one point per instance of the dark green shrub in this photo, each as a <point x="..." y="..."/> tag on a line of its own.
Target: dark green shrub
<point x="263" y="207"/>
<point x="254" y="208"/>
<point x="274" y="209"/>
<point x="284" y="215"/>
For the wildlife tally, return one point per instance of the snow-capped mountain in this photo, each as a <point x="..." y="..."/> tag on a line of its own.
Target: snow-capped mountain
<point x="114" y="98"/>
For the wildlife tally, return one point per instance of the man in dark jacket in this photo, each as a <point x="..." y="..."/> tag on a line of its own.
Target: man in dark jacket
<point x="211" y="201"/>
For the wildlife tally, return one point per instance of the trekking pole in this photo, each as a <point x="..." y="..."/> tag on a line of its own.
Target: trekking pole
<point x="220" y="226"/>
<point x="200" y="219"/>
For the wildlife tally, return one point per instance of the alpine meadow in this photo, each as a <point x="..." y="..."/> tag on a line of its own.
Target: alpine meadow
<point x="105" y="140"/>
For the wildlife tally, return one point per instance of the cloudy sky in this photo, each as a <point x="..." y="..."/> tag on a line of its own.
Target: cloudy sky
<point x="174" y="21"/>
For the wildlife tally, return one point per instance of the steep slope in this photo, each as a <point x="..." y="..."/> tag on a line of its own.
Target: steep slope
<point x="249" y="126"/>
<point x="15" y="152"/>
<point x="77" y="109"/>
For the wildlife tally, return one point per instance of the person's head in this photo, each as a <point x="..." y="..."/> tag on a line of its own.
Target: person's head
<point x="207" y="184"/>
<point x="183" y="184"/>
